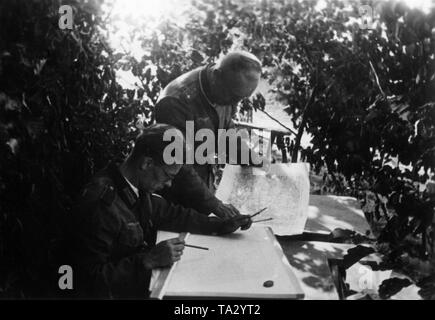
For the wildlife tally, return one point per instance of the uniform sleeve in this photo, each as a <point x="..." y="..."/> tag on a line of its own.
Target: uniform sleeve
<point x="188" y="187"/>
<point x="173" y="111"/>
<point x="169" y="217"/>
<point x="96" y="228"/>
<point x="192" y="192"/>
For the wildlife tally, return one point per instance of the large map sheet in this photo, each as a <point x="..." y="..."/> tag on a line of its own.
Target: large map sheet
<point x="235" y="266"/>
<point x="283" y="188"/>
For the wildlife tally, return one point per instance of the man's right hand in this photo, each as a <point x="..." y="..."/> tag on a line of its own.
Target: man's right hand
<point x="226" y="211"/>
<point x="165" y="253"/>
<point x="230" y="225"/>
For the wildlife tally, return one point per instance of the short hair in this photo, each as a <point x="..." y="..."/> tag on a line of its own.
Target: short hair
<point x="150" y="142"/>
<point x="237" y="61"/>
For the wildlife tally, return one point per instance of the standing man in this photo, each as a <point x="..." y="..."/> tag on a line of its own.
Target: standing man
<point x="208" y="96"/>
<point x="115" y="223"/>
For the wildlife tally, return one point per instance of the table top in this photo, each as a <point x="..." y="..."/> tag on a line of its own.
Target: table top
<point x="311" y="259"/>
<point x="236" y="265"/>
<point x="310" y="262"/>
<point x="326" y="213"/>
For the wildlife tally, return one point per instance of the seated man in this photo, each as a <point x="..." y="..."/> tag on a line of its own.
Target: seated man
<point x="117" y="217"/>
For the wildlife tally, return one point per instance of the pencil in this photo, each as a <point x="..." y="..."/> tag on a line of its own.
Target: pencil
<point x="268" y="219"/>
<point x="258" y="212"/>
<point x="196" y="247"/>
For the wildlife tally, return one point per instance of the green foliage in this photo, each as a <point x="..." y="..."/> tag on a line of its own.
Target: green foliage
<point x="62" y="116"/>
<point x="365" y="96"/>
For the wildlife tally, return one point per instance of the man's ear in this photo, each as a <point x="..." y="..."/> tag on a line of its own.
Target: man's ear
<point x="146" y="163"/>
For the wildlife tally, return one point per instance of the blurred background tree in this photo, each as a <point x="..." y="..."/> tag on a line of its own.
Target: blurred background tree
<point x="72" y="100"/>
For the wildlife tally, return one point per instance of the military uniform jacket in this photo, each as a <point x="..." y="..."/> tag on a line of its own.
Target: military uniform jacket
<point x="114" y="231"/>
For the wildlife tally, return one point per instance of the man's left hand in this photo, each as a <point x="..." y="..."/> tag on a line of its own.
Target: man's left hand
<point x="226" y="211"/>
<point x="229" y="212"/>
<point x="232" y="224"/>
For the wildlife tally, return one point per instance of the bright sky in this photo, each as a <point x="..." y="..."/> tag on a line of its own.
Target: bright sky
<point x="147" y="8"/>
<point x="423" y="5"/>
<point x="157" y="8"/>
<point x="131" y="12"/>
<point x="128" y="14"/>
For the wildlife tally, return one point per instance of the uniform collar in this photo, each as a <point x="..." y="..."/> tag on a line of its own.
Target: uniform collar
<point x="204" y="84"/>
<point x="123" y="187"/>
<point x="135" y="190"/>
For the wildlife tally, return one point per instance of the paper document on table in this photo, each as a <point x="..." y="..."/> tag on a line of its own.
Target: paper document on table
<point x="284" y="189"/>
<point x="237" y="265"/>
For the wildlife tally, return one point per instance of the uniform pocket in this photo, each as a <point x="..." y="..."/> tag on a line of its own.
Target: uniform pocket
<point x="131" y="235"/>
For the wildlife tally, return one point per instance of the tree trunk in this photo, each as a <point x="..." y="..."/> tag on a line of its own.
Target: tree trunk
<point x="302" y="126"/>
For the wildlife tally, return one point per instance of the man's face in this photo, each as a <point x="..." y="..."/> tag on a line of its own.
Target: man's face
<point x="156" y="177"/>
<point x="238" y="85"/>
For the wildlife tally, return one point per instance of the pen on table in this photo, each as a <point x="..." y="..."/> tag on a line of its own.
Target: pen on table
<point x="196" y="247"/>
<point x="258" y="212"/>
<point x="268" y="219"/>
